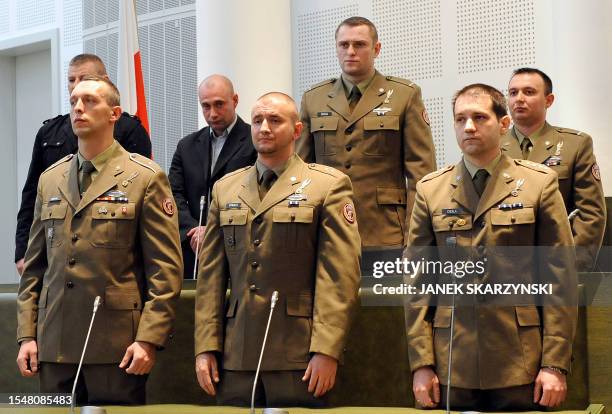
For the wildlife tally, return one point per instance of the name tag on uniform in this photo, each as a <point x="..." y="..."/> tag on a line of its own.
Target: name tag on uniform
<point x="324" y="114"/>
<point x="234" y="206"/>
<point x="452" y="211"/>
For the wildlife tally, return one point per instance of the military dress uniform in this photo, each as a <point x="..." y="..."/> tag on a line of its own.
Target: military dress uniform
<point x="301" y="240"/>
<point x="570" y="154"/>
<point x="384" y="141"/>
<point x="120" y="242"/>
<point x="54" y="140"/>
<point x="495" y="347"/>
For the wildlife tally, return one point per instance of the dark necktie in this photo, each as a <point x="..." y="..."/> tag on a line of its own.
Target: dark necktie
<point x="526" y="147"/>
<point x="354" y="97"/>
<point x="480" y="181"/>
<point x="87" y="168"/>
<point x="267" y="180"/>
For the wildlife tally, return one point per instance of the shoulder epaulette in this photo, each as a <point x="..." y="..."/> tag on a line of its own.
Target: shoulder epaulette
<point x="569" y="131"/>
<point x="143" y="161"/>
<point x="317" y="85"/>
<point x="437" y="173"/>
<point x="60" y="161"/>
<point x="400" y="80"/>
<point x="534" y="166"/>
<point x="239" y="170"/>
<point x="325" y="169"/>
<point x="52" y="119"/>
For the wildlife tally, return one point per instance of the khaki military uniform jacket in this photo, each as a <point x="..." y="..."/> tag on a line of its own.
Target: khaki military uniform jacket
<point x="126" y="250"/>
<point x="579" y="183"/>
<point x="495" y="346"/>
<point x="385" y="141"/>
<point x="309" y="252"/>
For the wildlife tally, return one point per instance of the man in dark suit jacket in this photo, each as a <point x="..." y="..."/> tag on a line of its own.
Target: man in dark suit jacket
<point x="203" y="157"/>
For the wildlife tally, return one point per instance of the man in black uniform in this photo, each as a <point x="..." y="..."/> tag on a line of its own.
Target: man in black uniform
<point x="55" y="140"/>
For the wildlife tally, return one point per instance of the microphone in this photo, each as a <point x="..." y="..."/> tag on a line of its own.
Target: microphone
<point x="573" y="214"/>
<point x="195" y="263"/>
<point x="451" y="241"/>
<point x="263" y="347"/>
<point x="87" y="409"/>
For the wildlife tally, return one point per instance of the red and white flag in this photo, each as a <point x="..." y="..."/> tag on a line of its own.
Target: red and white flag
<point x="129" y="71"/>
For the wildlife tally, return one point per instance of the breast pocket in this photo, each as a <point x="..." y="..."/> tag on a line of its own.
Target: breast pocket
<point x="324" y="130"/>
<point x="113" y="224"/>
<point x="378" y="132"/>
<point x="292" y="224"/>
<point x="459" y="225"/>
<point x="233" y="224"/>
<point x="512" y="228"/>
<point x="53" y="216"/>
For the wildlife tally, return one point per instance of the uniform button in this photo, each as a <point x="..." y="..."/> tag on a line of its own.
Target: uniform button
<point x="44" y="144"/>
<point x="347" y="165"/>
<point x="382" y="124"/>
<point x="252" y="288"/>
<point x="350" y="129"/>
<point x="483" y="223"/>
<point x="231" y="219"/>
<point x="348" y="148"/>
<point x="254" y="264"/>
<point x="321" y="126"/>
<point x="75" y="237"/>
<point x="258" y="220"/>
<point x="257" y="242"/>
<point x="512" y="219"/>
<point x="72" y="261"/>
<point x="113" y="214"/>
<point x="70" y="285"/>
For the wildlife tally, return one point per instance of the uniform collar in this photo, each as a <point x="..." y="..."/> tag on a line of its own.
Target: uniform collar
<point x="362" y="86"/>
<point x="100" y="160"/>
<point x="490" y="167"/>
<point x="520" y="136"/>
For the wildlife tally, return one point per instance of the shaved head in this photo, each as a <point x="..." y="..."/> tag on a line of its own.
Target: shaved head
<point x="218" y="81"/>
<point x="218" y="101"/>
<point x="283" y="99"/>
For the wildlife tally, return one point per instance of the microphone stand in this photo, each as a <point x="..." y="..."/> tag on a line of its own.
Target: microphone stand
<point x="195" y="263"/>
<point x="451" y="241"/>
<point x="87" y="409"/>
<point x="263" y="347"/>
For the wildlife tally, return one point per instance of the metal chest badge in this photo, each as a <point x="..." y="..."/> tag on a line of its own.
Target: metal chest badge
<point x="519" y="184"/>
<point x="299" y="195"/>
<point x="559" y="147"/>
<point x="383" y="110"/>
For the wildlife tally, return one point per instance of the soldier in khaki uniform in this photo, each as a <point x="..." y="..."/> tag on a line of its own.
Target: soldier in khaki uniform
<point x="505" y="357"/>
<point x="568" y="152"/>
<point x="281" y="225"/>
<point x="375" y="129"/>
<point x="104" y="225"/>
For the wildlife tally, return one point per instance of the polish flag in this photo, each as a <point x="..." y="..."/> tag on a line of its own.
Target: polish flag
<point x="130" y="81"/>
